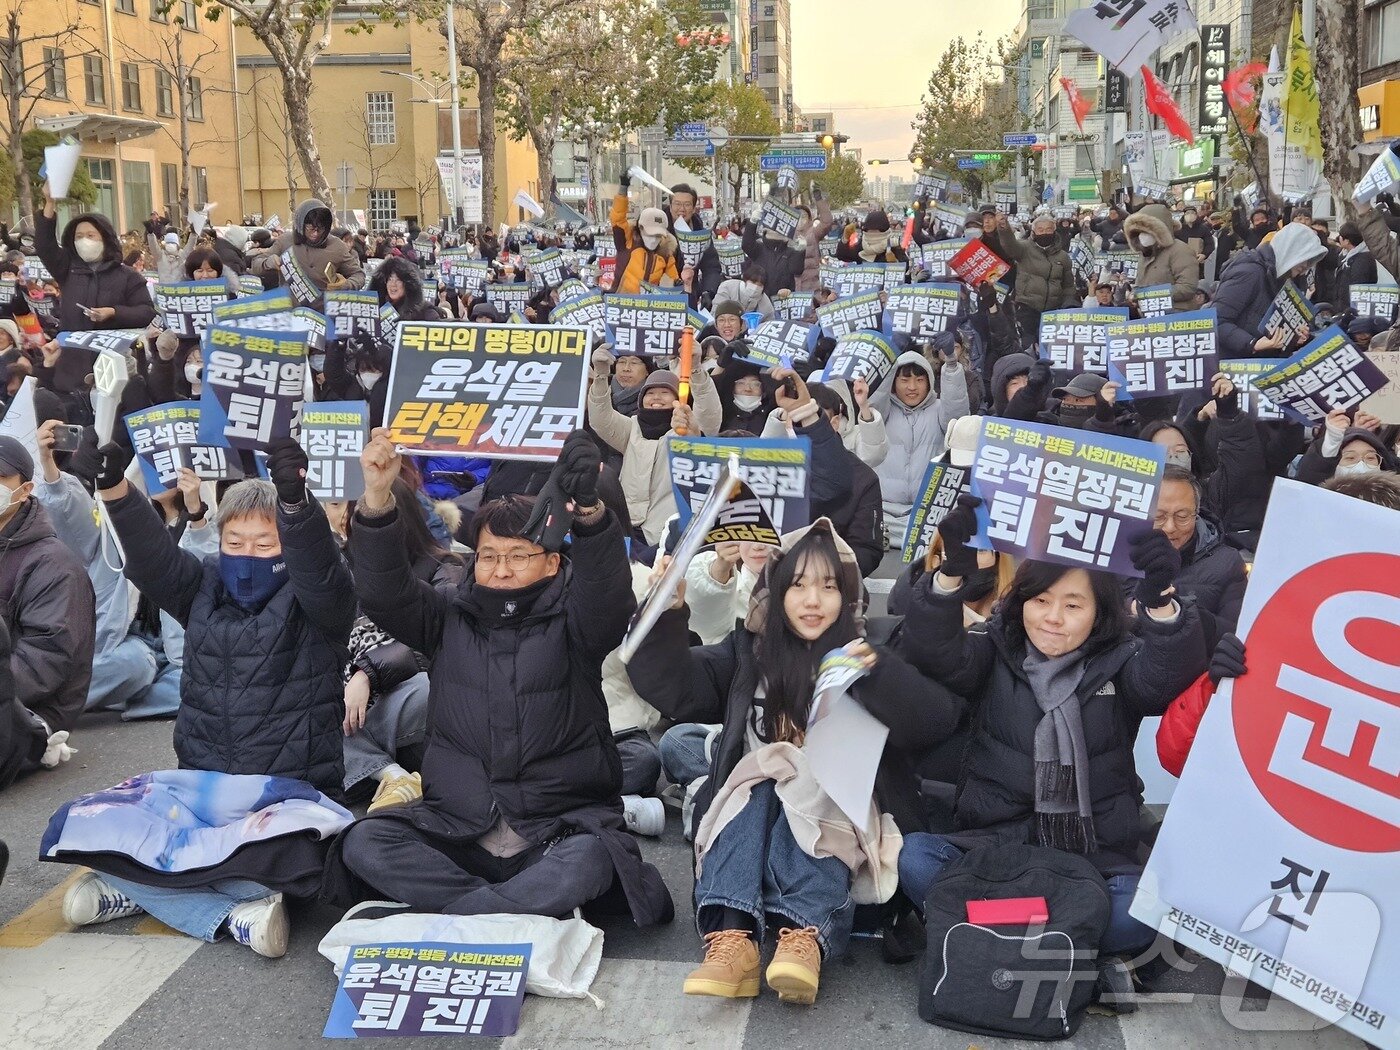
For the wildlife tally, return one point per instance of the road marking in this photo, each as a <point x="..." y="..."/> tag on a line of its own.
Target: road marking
<point x="41" y="920"/>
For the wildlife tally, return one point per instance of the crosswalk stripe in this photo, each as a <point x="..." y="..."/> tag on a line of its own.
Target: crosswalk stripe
<point x="41" y="920"/>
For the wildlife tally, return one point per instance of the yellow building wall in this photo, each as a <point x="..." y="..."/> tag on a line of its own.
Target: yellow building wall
<point x="1385" y="95"/>
<point x="121" y="37"/>
<point x="355" y="64"/>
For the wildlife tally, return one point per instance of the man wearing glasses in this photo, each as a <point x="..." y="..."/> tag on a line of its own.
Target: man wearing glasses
<point x="1211" y="572"/>
<point x="521" y="810"/>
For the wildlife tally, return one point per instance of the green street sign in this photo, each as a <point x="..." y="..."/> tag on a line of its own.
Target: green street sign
<point x="988" y="158"/>
<point x="1198" y="161"/>
<point x="1084" y="188"/>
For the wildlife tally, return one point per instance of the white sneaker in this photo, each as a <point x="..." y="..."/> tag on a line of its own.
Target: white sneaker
<point x="261" y="925"/>
<point x="643" y="816"/>
<point x="90" y="901"/>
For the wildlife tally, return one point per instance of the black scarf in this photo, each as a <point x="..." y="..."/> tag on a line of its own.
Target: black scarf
<point x="654" y="422"/>
<point x="626" y="399"/>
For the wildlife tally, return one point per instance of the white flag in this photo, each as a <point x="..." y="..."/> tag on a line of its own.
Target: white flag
<point x="528" y="203"/>
<point x="1126" y="32"/>
<point x="20" y="421"/>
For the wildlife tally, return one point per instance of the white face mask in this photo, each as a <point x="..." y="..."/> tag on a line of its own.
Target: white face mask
<point x="89" y="249"/>
<point x="753" y="290"/>
<point x="973" y="232"/>
<point x="6" y="497"/>
<point x="651" y="240"/>
<point x="1179" y="459"/>
<point x="318" y="362"/>
<point x="1146" y="240"/>
<point x="192" y="373"/>
<point x="1353" y="469"/>
<point x="368" y="379"/>
<point x="747" y="402"/>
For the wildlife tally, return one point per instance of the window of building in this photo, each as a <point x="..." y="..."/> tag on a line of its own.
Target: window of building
<point x="383" y="208"/>
<point x="100" y="171"/>
<point x="189" y="14"/>
<point x="379" y="107"/>
<point x="55" y="73"/>
<point x="136" y="190"/>
<point x="126" y="7"/>
<point x="170" y="187"/>
<point x="1382" y="34"/>
<point x="158" y="11"/>
<point x="131" y="86"/>
<point x="94" y="80"/>
<point x="200" y="190"/>
<point x="165" y="94"/>
<point x="194" y="99"/>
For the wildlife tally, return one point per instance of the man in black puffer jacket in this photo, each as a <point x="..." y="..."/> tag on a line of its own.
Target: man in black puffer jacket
<point x="266" y="623"/>
<point x="521" y="810"/>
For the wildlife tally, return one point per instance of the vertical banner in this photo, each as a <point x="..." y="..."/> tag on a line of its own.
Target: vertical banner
<point x="334" y="433"/>
<point x="1328" y="374"/>
<point x="429" y="988"/>
<point x="1215" y="63"/>
<point x="1067" y="496"/>
<point x="253" y="386"/>
<point x="1292" y="884"/>
<point x="498" y="391"/>
<point x="1156" y="356"/>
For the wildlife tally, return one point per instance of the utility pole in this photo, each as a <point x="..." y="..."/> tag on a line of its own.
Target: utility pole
<point x="459" y="204"/>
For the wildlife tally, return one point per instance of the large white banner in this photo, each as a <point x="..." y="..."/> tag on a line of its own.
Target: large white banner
<point x="1280" y="853"/>
<point x="471" y="185"/>
<point x="1126" y="32"/>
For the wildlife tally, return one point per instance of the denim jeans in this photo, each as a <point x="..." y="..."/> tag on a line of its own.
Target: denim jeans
<point x="755" y="866"/>
<point x="396" y="720"/>
<point x="924" y="857"/>
<point x="198" y="912"/>
<point x="121" y="674"/>
<point x="683" y="752"/>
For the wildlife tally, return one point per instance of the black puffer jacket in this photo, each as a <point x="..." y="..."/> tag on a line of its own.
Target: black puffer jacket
<point x="412" y="306"/>
<point x="103" y="283"/>
<point x="1214" y="575"/>
<point x="716" y="683"/>
<point x="1244" y="295"/>
<point x="261" y="692"/>
<point x="782" y="263"/>
<point x="1122" y="684"/>
<point x="47" y="600"/>
<point x="517" y="725"/>
<point x="22" y="736"/>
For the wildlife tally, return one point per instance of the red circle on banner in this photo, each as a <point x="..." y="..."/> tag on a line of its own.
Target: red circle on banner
<point x="1283" y="636"/>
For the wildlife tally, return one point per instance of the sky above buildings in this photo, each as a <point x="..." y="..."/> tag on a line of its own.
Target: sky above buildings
<point x="870" y="62"/>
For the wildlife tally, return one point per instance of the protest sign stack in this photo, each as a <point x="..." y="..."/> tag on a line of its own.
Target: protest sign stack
<point x="502" y="391"/>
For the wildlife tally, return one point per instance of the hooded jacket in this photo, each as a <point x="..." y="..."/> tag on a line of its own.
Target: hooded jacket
<point x="1249" y="284"/>
<point x="412" y="306"/>
<point x="1005" y="370"/>
<point x="1122" y="683"/>
<point x="717" y="683"/>
<point x="782" y="263"/>
<point x="1044" y="276"/>
<point x="313" y="259"/>
<point x="517" y="722"/>
<point x="49" y="606"/>
<point x="103" y="283"/>
<point x="261" y="690"/>
<point x="866" y="439"/>
<point x="916" y="435"/>
<point x="1171" y="261"/>
<point x="636" y="262"/>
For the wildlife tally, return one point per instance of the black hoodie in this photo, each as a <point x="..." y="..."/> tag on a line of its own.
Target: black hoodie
<point x="411" y="307"/>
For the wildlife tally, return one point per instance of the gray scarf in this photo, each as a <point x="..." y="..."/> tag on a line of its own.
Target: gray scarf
<point x="1063" y="805"/>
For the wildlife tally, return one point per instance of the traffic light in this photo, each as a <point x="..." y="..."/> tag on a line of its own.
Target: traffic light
<point x="918" y="163"/>
<point x="828" y="142"/>
<point x="874" y="163"/>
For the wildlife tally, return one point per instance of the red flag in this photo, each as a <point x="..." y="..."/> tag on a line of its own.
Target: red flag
<point x="1161" y="104"/>
<point x="1239" y="91"/>
<point x="1078" y="104"/>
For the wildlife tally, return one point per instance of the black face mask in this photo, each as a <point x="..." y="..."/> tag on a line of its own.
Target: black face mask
<point x="1075" y="416"/>
<point x="1045" y="239"/>
<point x="979" y="585"/>
<point x="654" y="422"/>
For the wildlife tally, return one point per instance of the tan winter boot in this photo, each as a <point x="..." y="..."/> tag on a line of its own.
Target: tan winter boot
<point x="730" y="969"/>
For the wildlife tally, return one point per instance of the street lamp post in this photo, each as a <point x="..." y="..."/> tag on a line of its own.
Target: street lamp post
<point x="435" y="91"/>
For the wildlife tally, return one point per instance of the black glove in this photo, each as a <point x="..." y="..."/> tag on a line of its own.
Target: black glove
<point x="286" y="466"/>
<point x="1159" y="562"/>
<point x="113" y="468"/>
<point x="986" y="295"/>
<point x="577" y="469"/>
<point x="1228" y="660"/>
<point x="625" y="180"/>
<point x="1038" y="378"/>
<point x="86" y="461"/>
<point x="956" y="528"/>
<point x="1228" y="407"/>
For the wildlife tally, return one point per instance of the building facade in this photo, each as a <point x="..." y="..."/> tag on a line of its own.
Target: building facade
<point x="770" y="56"/>
<point x="1379" y="95"/>
<point x="380" y="106"/>
<point x="119" y="83"/>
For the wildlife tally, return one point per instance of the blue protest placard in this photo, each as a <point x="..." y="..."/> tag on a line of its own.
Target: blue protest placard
<point x="1156" y="356"/>
<point x="647" y="324"/>
<point x="1066" y="496"/>
<point x="429" y="988"/>
<point x="921" y="311"/>
<point x="509" y="297"/>
<point x="585" y="311"/>
<point x="253" y="386"/>
<point x="1289" y="311"/>
<point x="938" y="494"/>
<point x="861" y="277"/>
<point x="334" y="433"/>
<point x="156" y="433"/>
<point x="780" y="343"/>
<point x="1243" y="373"/>
<point x="861" y="355"/>
<point x="852" y="314"/>
<point x="1327" y="375"/>
<point x="1075" y="340"/>
<point x="187" y="307"/>
<point x="775" y="470"/>
<point x="794" y="307"/>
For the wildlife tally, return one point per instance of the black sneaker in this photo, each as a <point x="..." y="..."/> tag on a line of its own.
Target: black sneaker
<point x="1115" y="992"/>
<point x="902" y="938"/>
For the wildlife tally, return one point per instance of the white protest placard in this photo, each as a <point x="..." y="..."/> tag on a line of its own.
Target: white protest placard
<point x="20" y="421"/>
<point x="1385" y="405"/>
<point x="1292" y="883"/>
<point x="844" y="742"/>
<point x="1383" y="177"/>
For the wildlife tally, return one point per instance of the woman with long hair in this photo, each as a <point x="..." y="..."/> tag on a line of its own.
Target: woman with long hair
<point x="770" y="845"/>
<point x="1060" y="679"/>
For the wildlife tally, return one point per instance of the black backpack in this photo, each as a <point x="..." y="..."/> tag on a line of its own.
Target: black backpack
<point x="1013" y="981"/>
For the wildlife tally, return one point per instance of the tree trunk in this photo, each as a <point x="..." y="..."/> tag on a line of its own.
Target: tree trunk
<point x="543" y="140"/>
<point x="296" y="93"/>
<point x="182" y="86"/>
<point x="15" y="62"/>
<point x="487" y="79"/>
<point x="1335" y="47"/>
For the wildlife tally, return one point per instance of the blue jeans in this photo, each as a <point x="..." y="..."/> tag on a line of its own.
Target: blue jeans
<point x="121" y="674"/>
<point x="683" y="752"/>
<point x="755" y="866"/>
<point x="198" y="912"/>
<point x="924" y="857"/>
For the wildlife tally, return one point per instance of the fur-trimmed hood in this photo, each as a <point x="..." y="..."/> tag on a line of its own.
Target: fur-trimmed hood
<point x="1155" y="219"/>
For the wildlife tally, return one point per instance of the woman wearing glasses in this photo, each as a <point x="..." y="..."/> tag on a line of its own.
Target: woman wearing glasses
<point x="521" y="810"/>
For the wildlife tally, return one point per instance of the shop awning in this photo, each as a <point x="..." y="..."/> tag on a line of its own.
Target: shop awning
<point x="99" y="127"/>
